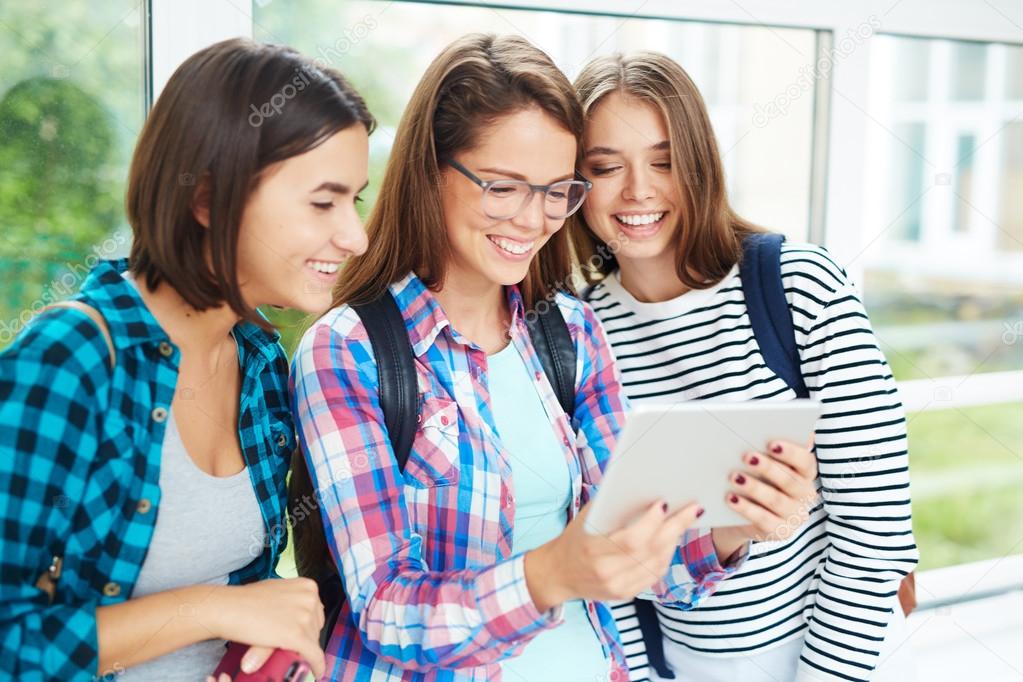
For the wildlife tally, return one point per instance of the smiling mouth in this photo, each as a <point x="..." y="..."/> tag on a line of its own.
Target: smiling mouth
<point x="322" y="266"/>
<point x="511" y="246"/>
<point x="640" y="219"/>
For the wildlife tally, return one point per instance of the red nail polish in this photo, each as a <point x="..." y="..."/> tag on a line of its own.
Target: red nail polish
<point x="734" y="499"/>
<point x="776" y="449"/>
<point x="754" y="460"/>
<point x="740" y="479"/>
<point x="664" y="507"/>
<point x="699" y="512"/>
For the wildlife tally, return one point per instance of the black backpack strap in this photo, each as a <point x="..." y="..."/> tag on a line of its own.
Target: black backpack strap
<point x="769" y="313"/>
<point x="396" y="371"/>
<point x="556" y="350"/>
<point x="653" y="639"/>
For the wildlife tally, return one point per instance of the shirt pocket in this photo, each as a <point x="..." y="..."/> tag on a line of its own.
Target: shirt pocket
<point x="433" y="461"/>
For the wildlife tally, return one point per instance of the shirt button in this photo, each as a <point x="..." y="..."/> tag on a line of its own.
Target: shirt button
<point x="111" y="589"/>
<point x="282" y="440"/>
<point x="159" y="414"/>
<point x="565" y="441"/>
<point x="166" y="350"/>
<point x="444" y="421"/>
<point x="537" y="375"/>
<point x="144" y="506"/>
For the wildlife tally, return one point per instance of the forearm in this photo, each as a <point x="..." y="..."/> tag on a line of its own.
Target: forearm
<point x="426" y="620"/>
<point x="142" y="629"/>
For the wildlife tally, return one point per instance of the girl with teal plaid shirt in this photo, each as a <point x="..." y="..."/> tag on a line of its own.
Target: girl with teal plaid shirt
<point x="161" y="383"/>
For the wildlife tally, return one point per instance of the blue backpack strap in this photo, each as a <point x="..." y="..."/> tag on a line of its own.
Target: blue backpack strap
<point x="769" y="313"/>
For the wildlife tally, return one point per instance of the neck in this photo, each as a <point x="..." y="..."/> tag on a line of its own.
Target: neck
<point x="197" y="333"/>
<point x="652" y="280"/>
<point x="477" y="309"/>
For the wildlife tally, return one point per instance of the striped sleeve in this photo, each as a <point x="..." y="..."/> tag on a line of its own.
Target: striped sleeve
<point x="407" y="614"/>
<point x="864" y="473"/>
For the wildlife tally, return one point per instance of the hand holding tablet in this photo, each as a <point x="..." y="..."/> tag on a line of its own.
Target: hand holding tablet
<point x="690" y="452"/>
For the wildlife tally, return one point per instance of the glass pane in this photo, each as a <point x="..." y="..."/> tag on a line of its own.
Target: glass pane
<point x="1014" y="72"/>
<point x="911" y="79"/>
<point x="967" y="469"/>
<point x="753" y="78"/>
<point x="969" y="70"/>
<point x="71" y="106"/>
<point x="942" y="265"/>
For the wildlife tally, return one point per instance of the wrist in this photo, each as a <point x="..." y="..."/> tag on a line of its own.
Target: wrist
<point x="209" y="605"/>
<point x="541" y="581"/>
<point x="727" y="542"/>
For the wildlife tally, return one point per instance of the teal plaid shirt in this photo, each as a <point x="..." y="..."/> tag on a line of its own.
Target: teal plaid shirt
<point x="80" y="449"/>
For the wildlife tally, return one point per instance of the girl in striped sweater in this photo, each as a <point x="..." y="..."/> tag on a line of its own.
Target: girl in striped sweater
<point x="659" y="237"/>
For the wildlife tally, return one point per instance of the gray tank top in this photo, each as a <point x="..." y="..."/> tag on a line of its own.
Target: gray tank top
<point x="206" y="527"/>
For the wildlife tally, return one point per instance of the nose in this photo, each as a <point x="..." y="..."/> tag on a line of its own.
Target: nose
<point x="532" y="216"/>
<point x="639" y="185"/>
<point x="351" y="235"/>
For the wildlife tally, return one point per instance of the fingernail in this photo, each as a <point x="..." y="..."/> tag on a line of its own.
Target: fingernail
<point x="248" y="666"/>
<point x="664" y="507"/>
<point x="776" y="448"/>
<point x="734" y="499"/>
<point x="699" y="512"/>
<point x="754" y="460"/>
<point x="740" y="479"/>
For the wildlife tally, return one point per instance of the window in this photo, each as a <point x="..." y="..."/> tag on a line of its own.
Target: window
<point x="754" y="78"/>
<point x="71" y="106"/>
<point x="943" y="278"/>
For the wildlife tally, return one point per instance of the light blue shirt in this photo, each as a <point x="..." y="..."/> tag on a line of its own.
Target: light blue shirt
<point x="543" y="491"/>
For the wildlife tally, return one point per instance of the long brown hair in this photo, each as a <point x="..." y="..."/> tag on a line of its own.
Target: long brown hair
<point x="474" y="81"/>
<point x="710" y="233"/>
<point x="226" y="114"/>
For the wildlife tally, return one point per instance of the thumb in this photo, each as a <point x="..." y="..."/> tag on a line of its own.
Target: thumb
<point x="255" y="657"/>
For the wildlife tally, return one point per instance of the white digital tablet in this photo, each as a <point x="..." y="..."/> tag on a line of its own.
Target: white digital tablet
<point x="686" y="452"/>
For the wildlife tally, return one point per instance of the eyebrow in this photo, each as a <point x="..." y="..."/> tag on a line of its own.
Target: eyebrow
<point x="596" y="151"/>
<point x="338" y="188"/>
<point x="520" y="176"/>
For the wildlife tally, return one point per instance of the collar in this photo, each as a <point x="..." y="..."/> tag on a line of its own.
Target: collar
<point x="425" y="318"/>
<point x="131" y="323"/>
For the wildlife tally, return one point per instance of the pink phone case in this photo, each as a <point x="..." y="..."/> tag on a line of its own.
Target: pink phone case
<point x="282" y="666"/>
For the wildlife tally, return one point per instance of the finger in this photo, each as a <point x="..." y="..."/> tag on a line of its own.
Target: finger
<point x="224" y="677"/>
<point x="255" y="657"/>
<point x="800" y="459"/>
<point x="680" y="521"/>
<point x="641" y="530"/>
<point x="779" y="475"/>
<point x="768" y="526"/>
<point x="316" y="660"/>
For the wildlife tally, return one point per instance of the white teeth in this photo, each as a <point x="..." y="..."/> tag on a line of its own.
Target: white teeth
<point x="324" y="267"/>
<point x="513" y="247"/>
<point x="643" y="219"/>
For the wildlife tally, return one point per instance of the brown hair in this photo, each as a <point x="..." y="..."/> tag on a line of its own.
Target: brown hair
<point x="226" y="114"/>
<point x="474" y="81"/>
<point x="710" y="233"/>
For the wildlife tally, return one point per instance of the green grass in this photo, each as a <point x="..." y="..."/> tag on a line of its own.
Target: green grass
<point x="967" y="472"/>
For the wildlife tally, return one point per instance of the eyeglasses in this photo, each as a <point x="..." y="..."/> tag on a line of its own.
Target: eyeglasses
<point x="505" y="199"/>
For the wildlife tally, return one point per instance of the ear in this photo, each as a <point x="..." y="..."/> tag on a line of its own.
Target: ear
<point x="201" y="201"/>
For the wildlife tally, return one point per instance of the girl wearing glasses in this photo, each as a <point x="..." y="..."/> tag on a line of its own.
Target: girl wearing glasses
<point x="472" y="562"/>
<point x="145" y="431"/>
<point x="820" y="603"/>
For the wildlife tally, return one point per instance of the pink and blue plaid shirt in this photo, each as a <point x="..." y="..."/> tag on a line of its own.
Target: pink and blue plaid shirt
<point x="434" y="591"/>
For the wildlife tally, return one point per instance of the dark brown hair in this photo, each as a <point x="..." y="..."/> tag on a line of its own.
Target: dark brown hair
<point x="710" y="233"/>
<point x="226" y="114"/>
<point x="474" y="81"/>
